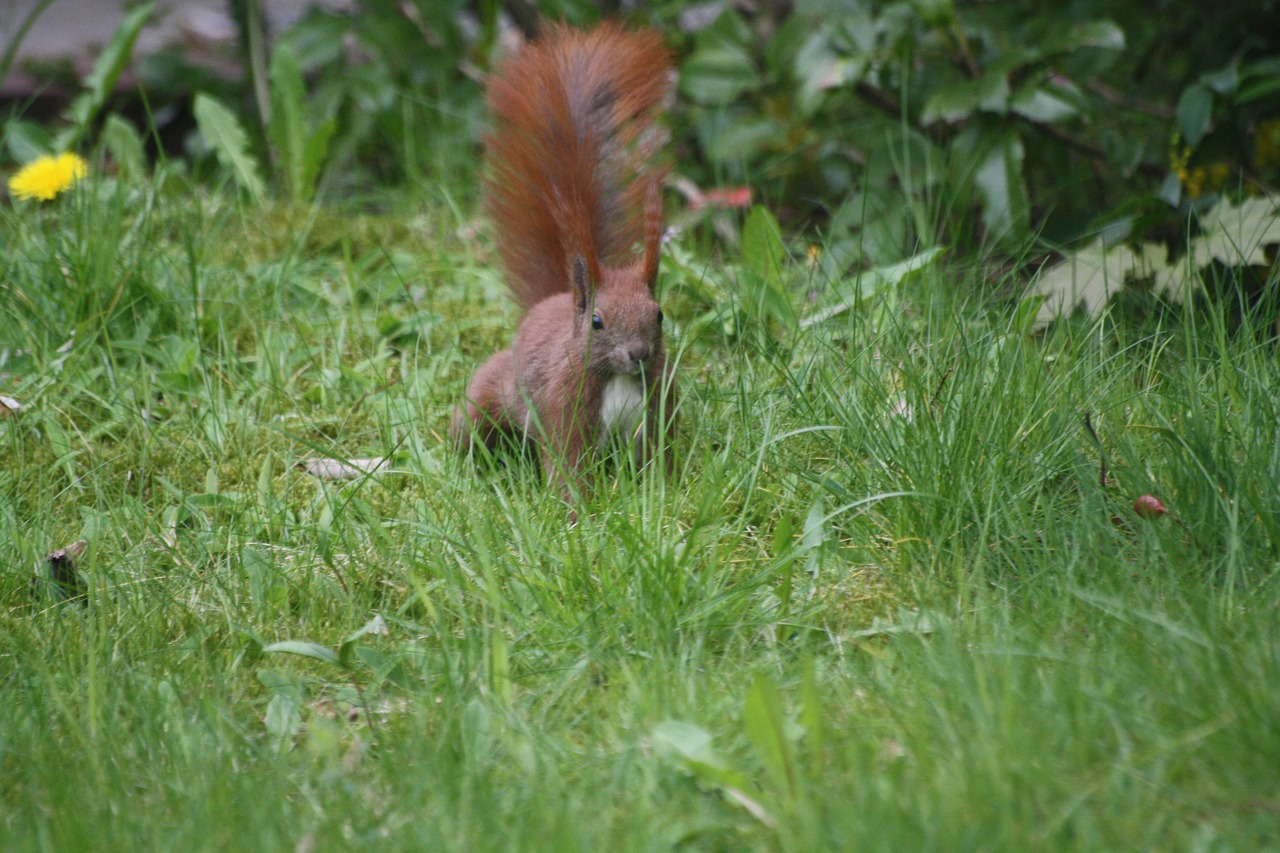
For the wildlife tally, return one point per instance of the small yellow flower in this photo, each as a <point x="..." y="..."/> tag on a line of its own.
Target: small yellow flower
<point x="45" y="177"/>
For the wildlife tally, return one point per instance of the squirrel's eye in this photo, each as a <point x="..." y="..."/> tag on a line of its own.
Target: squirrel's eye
<point x="659" y="316"/>
<point x="596" y="322"/>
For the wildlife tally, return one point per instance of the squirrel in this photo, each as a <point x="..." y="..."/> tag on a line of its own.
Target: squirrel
<point x="571" y="187"/>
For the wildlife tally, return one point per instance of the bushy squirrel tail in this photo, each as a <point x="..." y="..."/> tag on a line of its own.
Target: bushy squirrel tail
<point x="571" y="156"/>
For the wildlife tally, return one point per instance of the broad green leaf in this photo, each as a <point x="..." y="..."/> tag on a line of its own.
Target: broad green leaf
<point x="307" y="650"/>
<point x="684" y="740"/>
<point x="733" y="139"/>
<point x="764" y="254"/>
<point x="718" y="74"/>
<point x="26" y="140"/>
<point x="102" y="79"/>
<point x="1097" y="34"/>
<point x="766" y="727"/>
<point x="1195" y="109"/>
<point x="284" y="716"/>
<point x="935" y="13"/>
<point x="815" y="527"/>
<point x="811" y="719"/>
<point x="58" y="441"/>
<point x="722" y="66"/>
<point x="998" y="177"/>
<point x="1046" y="104"/>
<point x="227" y="139"/>
<point x="1223" y="81"/>
<point x="324" y="530"/>
<point x="346" y="652"/>
<point x="989" y="93"/>
<point x="762" y="248"/>
<point x="266" y="472"/>
<point x="820" y="69"/>
<point x="287" y="129"/>
<point x="1170" y="190"/>
<point x="690" y="745"/>
<point x="124" y="145"/>
<point x="815" y="536"/>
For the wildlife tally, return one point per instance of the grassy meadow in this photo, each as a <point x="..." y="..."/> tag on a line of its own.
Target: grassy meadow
<point x="885" y="601"/>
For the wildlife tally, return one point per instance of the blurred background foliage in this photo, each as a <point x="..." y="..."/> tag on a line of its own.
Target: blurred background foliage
<point x="1002" y="131"/>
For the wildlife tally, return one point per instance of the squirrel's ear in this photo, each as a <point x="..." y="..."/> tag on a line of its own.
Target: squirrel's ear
<point x="581" y="285"/>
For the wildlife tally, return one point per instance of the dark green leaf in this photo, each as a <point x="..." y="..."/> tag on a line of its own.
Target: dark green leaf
<point x="1195" y="108"/>
<point x="935" y="13"/>
<point x="1257" y="91"/>
<point x="1097" y="34"/>
<point x="989" y="93"/>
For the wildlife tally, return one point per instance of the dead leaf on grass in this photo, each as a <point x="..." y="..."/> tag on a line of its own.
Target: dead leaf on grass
<point x="343" y="469"/>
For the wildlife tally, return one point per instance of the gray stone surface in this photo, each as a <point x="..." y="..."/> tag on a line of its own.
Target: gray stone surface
<point x="75" y="30"/>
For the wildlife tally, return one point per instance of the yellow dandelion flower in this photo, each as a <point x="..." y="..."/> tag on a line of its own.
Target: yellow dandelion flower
<point x="45" y="177"/>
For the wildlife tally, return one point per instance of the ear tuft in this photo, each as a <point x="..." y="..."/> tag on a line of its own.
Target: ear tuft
<point x="581" y="284"/>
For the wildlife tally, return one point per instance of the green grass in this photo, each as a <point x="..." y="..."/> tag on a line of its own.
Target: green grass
<point x="885" y="603"/>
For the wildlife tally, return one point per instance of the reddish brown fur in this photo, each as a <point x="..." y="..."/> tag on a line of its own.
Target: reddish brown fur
<point x="571" y="189"/>
<point x="573" y="116"/>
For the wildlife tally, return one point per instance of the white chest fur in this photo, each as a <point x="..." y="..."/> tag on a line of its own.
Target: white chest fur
<point x="622" y="406"/>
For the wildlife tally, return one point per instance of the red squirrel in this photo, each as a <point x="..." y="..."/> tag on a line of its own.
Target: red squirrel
<point x="571" y="189"/>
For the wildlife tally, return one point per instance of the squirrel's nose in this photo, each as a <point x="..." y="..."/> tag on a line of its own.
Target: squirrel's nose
<point x="640" y="352"/>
